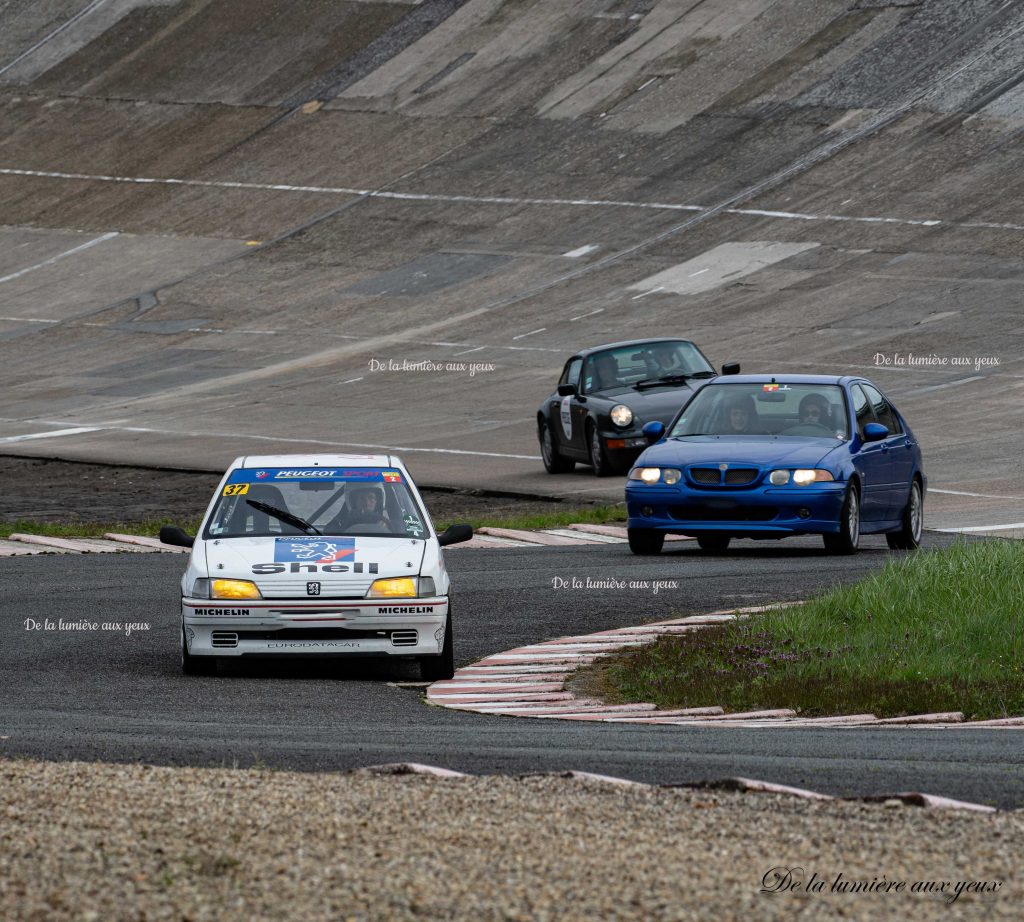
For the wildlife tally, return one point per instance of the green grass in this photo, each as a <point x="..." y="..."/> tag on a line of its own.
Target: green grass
<point x="592" y="515"/>
<point x="587" y="514"/>
<point x="931" y="632"/>
<point x="91" y="529"/>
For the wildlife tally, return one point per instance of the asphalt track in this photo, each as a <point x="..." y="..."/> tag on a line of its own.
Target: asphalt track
<point x="95" y="695"/>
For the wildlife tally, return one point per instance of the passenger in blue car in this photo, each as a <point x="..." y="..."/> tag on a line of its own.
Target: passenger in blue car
<point x="741" y="418"/>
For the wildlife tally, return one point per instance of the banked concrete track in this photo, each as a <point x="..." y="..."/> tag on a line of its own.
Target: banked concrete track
<point x="214" y="215"/>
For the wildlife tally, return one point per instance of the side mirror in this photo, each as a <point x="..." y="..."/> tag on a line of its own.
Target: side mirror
<point x="874" y="432"/>
<point x="731" y="368"/>
<point x="653" y="431"/>
<point x="171" y="534"/>
<point x="566" y="390"/>
<point x="455" y="534"/>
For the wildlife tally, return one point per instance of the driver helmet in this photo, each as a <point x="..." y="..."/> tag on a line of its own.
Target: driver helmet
<point x="366" y="498"/>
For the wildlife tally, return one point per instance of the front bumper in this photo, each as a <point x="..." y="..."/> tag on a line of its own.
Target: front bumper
<point x="623" y="448"/>
<point x="319" y="627"/>
<point x="753" y="512"/>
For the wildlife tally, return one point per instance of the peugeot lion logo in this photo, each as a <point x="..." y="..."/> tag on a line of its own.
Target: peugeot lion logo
<point x="312" y="589"/>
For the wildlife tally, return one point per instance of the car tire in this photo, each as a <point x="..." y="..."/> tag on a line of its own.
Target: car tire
<point x="909" y="536"/>
<point x="554" y="463"/>
<point x="436" y="668"/>
<point x="598" y="458"/>
<point x="714" y="544"/>
<point x="645" y="541"/>
<point x="196" y="665"/>
<point x="847" y="540"/>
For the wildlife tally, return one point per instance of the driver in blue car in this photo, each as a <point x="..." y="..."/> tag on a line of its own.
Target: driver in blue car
<point x="814" y="411"/>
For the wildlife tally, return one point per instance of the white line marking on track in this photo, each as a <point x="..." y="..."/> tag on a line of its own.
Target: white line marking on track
<point x="983" y="528"/>
<point x="588" y="314"/>
<point x="511" y="200"/>
<point x="581" y="251"/>
<point x="939" y="387"/>
<point x="28" y="320"/>
<point x="965" y="493"/>
<point x="64" y="25"/>
<point x="531" y="333"/>
<point x="53" y="433"/>
<point x="267" y="438"/>
<point x="467" y="351"/>
<point x="59" y="256"/>
<point x="646" y="293"/>
<point x="351" y="380"/>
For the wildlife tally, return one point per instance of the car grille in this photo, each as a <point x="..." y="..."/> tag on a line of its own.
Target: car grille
<point x="224" y="639"/>
<point x="696" y="512"/>
<point x="731" y="476"/>
<point x="404" y="638"/>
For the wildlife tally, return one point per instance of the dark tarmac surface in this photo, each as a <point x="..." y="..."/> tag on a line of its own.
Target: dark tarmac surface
<point x="97" y="695"/>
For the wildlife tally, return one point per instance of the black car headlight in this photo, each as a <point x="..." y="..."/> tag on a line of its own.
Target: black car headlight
<point x="621" y="415"/>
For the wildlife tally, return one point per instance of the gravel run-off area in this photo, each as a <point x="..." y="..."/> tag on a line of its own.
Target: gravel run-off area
<point x="97" y="842"/>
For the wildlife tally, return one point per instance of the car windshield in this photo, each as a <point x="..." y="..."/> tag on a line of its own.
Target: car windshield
<point x="630" y="365"/>
<point x="351" y="501"/>
<point x="800" y="410"/>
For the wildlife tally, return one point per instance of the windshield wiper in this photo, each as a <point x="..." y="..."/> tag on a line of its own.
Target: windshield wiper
<point x="670" y="380"/>
<point x="285" y="517"/>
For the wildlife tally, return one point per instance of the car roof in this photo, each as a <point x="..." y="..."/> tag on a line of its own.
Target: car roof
<point x="583" y="353"/>
<point x="784" y="378"/>
<point x="316" y="461"/>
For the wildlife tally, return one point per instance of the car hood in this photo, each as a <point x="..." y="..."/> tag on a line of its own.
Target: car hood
<point x="656" y="403"/>
<point x="282" y="567"/>
<point x="787" y="451"/>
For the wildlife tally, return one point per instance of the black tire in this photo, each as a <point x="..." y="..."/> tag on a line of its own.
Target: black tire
<point x="196" y="665"/>
<point x="554" y="463"/>
<point x="909" y="536"/>
<point x="714" y="544"/>
<point x="645" y="541"/>
<point x="598" y="457"/>
<point x="847" y="540"/>
<point x="436" y="668"/>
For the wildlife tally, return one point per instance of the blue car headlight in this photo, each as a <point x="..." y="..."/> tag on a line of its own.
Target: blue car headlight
<point x="801" y="477"/>
<point x="669" y="475"/>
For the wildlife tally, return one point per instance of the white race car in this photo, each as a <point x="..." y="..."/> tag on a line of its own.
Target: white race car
<point x="316" y="555"/>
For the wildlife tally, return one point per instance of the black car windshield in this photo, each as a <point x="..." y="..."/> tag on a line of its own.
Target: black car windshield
<point x="628" y="365"/>
<point x="800" y="410"/>
<point x="333" y="501"/>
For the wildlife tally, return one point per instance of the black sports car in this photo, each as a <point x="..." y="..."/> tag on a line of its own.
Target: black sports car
<point x="606" y="394"/>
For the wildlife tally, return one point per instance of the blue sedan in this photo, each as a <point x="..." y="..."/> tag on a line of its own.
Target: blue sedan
<point x="768" y="456"/>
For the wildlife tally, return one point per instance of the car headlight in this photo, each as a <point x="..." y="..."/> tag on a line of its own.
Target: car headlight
<point x="232" y="589"/>
<point x="621" y="415"/>
<point x="667" y="475"/>
<point x="803" y="477"/>
<point x="402" y="587"/>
